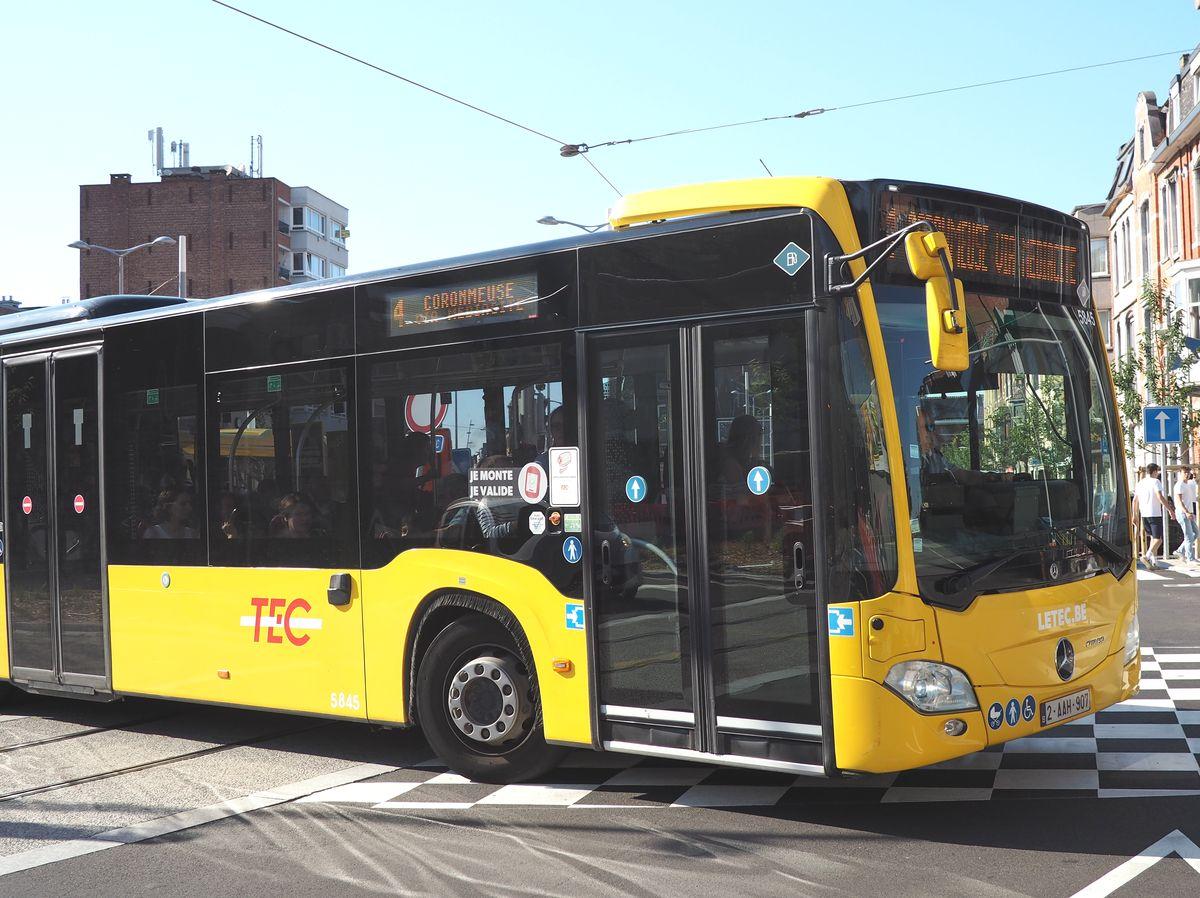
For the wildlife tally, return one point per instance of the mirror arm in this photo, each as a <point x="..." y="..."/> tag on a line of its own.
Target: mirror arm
<point x="834" y="264"/>
<point x="955" y="303"/>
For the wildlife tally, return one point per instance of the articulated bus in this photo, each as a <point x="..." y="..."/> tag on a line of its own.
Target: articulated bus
<point x="794" y="474"/>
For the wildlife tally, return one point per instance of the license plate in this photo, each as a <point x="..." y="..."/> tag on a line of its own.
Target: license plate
<point x="1065" y="706"/>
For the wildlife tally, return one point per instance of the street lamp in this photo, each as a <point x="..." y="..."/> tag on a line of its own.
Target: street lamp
<point x="551" y="220"/>
<point x="121" y="254"/>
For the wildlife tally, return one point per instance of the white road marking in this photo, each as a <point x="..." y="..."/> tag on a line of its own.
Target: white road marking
<point x="659" y="776"/>
<point x="362" y="793"/>
<point x="1173" y="842"/>
<point x="163" y="826"/>
<point x="1145" y="760"/>
<point x="550" y="794"/>
<point x="1184" y="673"/>
<point x="1181" y="658"/>
<point x="729" y="796"/>
<point x="1139" y="731"/>
<point x="1147" y="575"/>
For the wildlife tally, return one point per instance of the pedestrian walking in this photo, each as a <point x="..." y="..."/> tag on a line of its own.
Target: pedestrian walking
<point x="1185" y="512"/>
<point x="1150" y="502"/>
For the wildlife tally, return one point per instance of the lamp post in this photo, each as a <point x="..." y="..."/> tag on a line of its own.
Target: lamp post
<point x="551" y="220"/>
<point x="121" y="254"/>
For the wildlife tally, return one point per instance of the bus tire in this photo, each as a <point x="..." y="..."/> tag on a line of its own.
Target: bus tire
<point x="6" y="692"/>
<point x="478" y="705"/>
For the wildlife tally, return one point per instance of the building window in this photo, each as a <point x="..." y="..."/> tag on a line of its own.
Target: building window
<point x="335" y="232"/>
<point x="315" y="266"/>
<point x="1171" y="216"/>
<point x="1106" y="327"/>
<point x="297" y="263"/>
<point x="314" y="221"/>
<point x="1141" y="144"/>
<point x="1193" y="309"/>
<point x="335" y="271"/>
<point x="1099" y="255"/>
<point x="1144" y="223"/>
<point x="1126" y="260"/>
<point x="1129" y="332"/>
<point x="298" y="217"/>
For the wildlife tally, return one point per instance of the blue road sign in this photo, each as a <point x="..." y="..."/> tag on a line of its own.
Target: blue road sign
<point x="574" y="616"/>
<point x="1162" y="423"/>
<point x="841" y="621"/>
<point x="439" y="443"/>
<point x="572" y="549"/>
<point x="758" y="479"/>
<point x="635" y="488"/>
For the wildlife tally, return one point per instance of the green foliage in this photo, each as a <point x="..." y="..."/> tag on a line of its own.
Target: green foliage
<point x="1154" y="370"/>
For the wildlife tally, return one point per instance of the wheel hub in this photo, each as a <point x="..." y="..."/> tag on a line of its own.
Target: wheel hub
<point x="488" y="700"/>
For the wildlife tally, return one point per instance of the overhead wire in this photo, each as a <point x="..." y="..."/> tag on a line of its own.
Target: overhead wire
<point x="582" y="148"/>
<point x="410" y="81"/>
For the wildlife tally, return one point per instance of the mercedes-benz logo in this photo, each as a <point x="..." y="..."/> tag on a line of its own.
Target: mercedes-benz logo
<point x="1064" y="659"/>
<point x="1054" y="570"/>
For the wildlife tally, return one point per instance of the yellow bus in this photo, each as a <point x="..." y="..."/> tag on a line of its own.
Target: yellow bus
<point x="793" y="474"/>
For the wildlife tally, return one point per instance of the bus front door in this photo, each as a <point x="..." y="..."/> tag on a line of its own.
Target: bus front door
<point x="52" y="544"/>
<point x="702" y="591"/>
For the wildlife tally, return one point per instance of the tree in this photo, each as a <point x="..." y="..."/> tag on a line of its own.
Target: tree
<point x="1158" y="370"/>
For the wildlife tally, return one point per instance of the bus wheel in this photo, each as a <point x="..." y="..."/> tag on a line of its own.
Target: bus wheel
<point x="478" y="704"/>
<point x="6" y="692"/>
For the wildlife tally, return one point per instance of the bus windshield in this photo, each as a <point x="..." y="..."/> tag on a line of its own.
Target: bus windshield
<point x="1012" y="477"/>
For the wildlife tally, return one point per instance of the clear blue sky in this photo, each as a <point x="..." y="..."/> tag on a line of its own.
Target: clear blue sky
<point x="84" y="81"/>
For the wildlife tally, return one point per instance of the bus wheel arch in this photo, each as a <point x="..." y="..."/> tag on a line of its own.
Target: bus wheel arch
<point x="474" y="691"/>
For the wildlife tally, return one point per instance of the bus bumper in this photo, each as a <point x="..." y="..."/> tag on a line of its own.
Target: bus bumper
<point x="875" y="731"/>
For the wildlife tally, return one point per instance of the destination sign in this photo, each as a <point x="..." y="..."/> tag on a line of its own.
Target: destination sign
<point x="468" y="302"/>
<point x="991" y="246"/>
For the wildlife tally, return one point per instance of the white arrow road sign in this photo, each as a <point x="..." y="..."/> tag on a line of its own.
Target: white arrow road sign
<point x="1173" y="842"/>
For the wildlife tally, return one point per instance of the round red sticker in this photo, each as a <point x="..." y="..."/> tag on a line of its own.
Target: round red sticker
<point x="27" y="505"/>
<point x="79" y="504"/>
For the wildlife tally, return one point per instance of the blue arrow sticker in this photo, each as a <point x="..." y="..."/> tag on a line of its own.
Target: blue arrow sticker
<point x="758" y="480"/>
<point x="572" y="549"/>
<point x="1012" y="712"/>
<point x="841" y="621"/>
<point x="635" y="488"/>
<point x="574" y="616"/>
<point x="1028" y="708"/>
<point x="995" y="715"/>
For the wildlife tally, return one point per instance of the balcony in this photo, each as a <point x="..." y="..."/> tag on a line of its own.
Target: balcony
<point x="284" y="272"/>
<point x="284" y="228"/>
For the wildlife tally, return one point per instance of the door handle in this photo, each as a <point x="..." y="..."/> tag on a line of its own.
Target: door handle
<point x="798" y="565"/>
<point x="605" y="563"/>
<point x="339" y="589"/>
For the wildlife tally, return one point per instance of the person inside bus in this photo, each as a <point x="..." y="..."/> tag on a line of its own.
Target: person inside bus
<point x="740" y="453"/>
<point x="173" y="514"/>
<point x="296" y="518"/>
<point x="556" y="427"/>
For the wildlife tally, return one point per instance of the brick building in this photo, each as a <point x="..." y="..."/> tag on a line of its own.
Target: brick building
<point x="242" y="233"/>
<point x="1153" y="209"/>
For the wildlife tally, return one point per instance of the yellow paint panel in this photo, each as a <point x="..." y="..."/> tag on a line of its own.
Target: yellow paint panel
<point x="394" y="593"/>
<point x="272" y="631"/>
<point x="5" y="667"/>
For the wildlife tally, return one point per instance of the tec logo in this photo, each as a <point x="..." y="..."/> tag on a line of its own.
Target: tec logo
<point x="841" y="621"/>
<point x="271" y="615"/>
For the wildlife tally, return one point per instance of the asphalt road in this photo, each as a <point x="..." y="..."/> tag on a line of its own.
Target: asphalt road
<point x="141" y="798"/>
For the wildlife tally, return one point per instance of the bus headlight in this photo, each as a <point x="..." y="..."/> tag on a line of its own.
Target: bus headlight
<point x="932" y="687"/>
<point x="1133" y="637"/>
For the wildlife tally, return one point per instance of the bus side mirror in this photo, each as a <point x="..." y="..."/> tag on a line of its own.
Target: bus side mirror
<point x="945" y="314"/>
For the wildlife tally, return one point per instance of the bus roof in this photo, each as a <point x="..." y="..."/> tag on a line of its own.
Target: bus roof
<point x="633" y="217"/>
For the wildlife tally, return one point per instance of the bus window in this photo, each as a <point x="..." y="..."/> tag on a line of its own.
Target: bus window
<point x="446" y="440"/>
<point x="282" y="470"/>
<point x="155" y="491"/>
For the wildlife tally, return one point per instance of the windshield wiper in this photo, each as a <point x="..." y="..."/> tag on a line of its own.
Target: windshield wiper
<point x="1099" y="544"/>
<point x="958" y="584"/>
